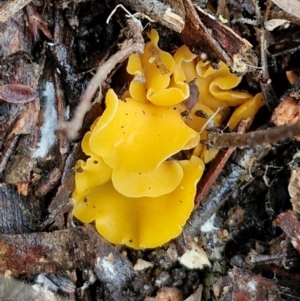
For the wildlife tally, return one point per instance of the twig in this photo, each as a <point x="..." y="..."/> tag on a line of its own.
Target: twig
<point x="271" y="135"/>
<point x="135" y="44"/>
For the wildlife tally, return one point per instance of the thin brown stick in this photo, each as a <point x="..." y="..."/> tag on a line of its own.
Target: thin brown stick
<point x="271" y="135"/>
<point x="134" y="45"/>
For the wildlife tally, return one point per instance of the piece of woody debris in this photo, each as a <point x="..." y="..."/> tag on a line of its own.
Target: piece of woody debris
<point x="56" y="251"/>
<point x="294" y="189"/>
<point x="204" y="33"/>
<point x="244" y="285"/>
<point x="289" y="224"/>
<point x="288" y="111"/>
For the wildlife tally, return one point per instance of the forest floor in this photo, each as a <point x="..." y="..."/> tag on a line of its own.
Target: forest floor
<point x="242" y="241"/>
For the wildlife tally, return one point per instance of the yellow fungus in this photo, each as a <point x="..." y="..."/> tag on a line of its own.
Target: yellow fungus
<point x="140" y="222"/>
<point x="246" y="110"/>
<point x="109" y="113"/>
<point x="131" y="186"/>
<point x="158" y="65"/>
<point x="215" y="86"/>
<point x="137" y="87"/>
<point x="141" y="136"/>
<point x="92" y="173"/>
<point x="162" y="180"/>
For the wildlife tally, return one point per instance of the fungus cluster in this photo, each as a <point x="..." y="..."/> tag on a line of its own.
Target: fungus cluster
<point x="132" y="186"/>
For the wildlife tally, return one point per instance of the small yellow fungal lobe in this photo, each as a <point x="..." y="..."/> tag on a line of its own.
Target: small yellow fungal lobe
<point x="247" y="110"/>
<point x="92" y="173"/>
<point x="143" y="222"/>
<point x="137" y="87"/>
<point x="161" y="89"/>
<point x="109" y="113"/>
<point x="216" y="86"/>
<point x="162" y="180"/>
<point x="158" y="65"/>
<point x="141" y="136"/>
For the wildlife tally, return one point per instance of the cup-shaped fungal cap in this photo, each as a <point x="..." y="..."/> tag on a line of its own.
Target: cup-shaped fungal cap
<point x="178" y="89"/>
<point x="144" y="222"/>
<point x="247" y="110"/>
<point x="162" y="180"/>
<point x="141" y="136"/>
<point x="215" y="86"/>
<point x="111" y="101"/>
<point x="158" y="64"/>
<point x="137" y="87"/>
<point x="92" y="173"/>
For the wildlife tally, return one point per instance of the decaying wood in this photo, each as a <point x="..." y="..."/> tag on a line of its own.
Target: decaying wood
<point x="294" y="188"/>
<point x="213" y="173"/>
<point x="11" y="7"/>
<point x="81" y="247"/>
<point x="246" y="286"/>
<point x="288" y="111"/>
<point x="225" y="185"/>
<point x="169" y="16"/>
<point x="18" y="213"/>
<point x="204" y="33"/>
<point x="289" y="224"/>
<point x="215" y="168"/>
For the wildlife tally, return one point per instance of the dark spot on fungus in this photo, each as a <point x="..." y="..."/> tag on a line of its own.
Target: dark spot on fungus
<point x="95" y="162"/>
<point x="184" y="113"/>
<point x="200" y="113"/>
<point x="79" y="169"/>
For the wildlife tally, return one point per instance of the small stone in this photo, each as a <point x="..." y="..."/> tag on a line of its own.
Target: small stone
<point x="142" y="265"/>
<point x="194" y="257"/>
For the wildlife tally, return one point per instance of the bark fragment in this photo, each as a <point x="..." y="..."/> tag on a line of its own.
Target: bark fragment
<point x="288" y="222"/>
<point x="80" y="247"/>
<point x="243" y="285"/>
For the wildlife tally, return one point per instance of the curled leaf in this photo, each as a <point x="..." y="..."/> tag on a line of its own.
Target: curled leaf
<point x="16" y="93"/>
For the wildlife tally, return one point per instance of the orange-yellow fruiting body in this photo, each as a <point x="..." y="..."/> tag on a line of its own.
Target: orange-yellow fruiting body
<point x="135" y="133"/>
<point x="131" y="185"/>
<point x="144" y="222"/>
